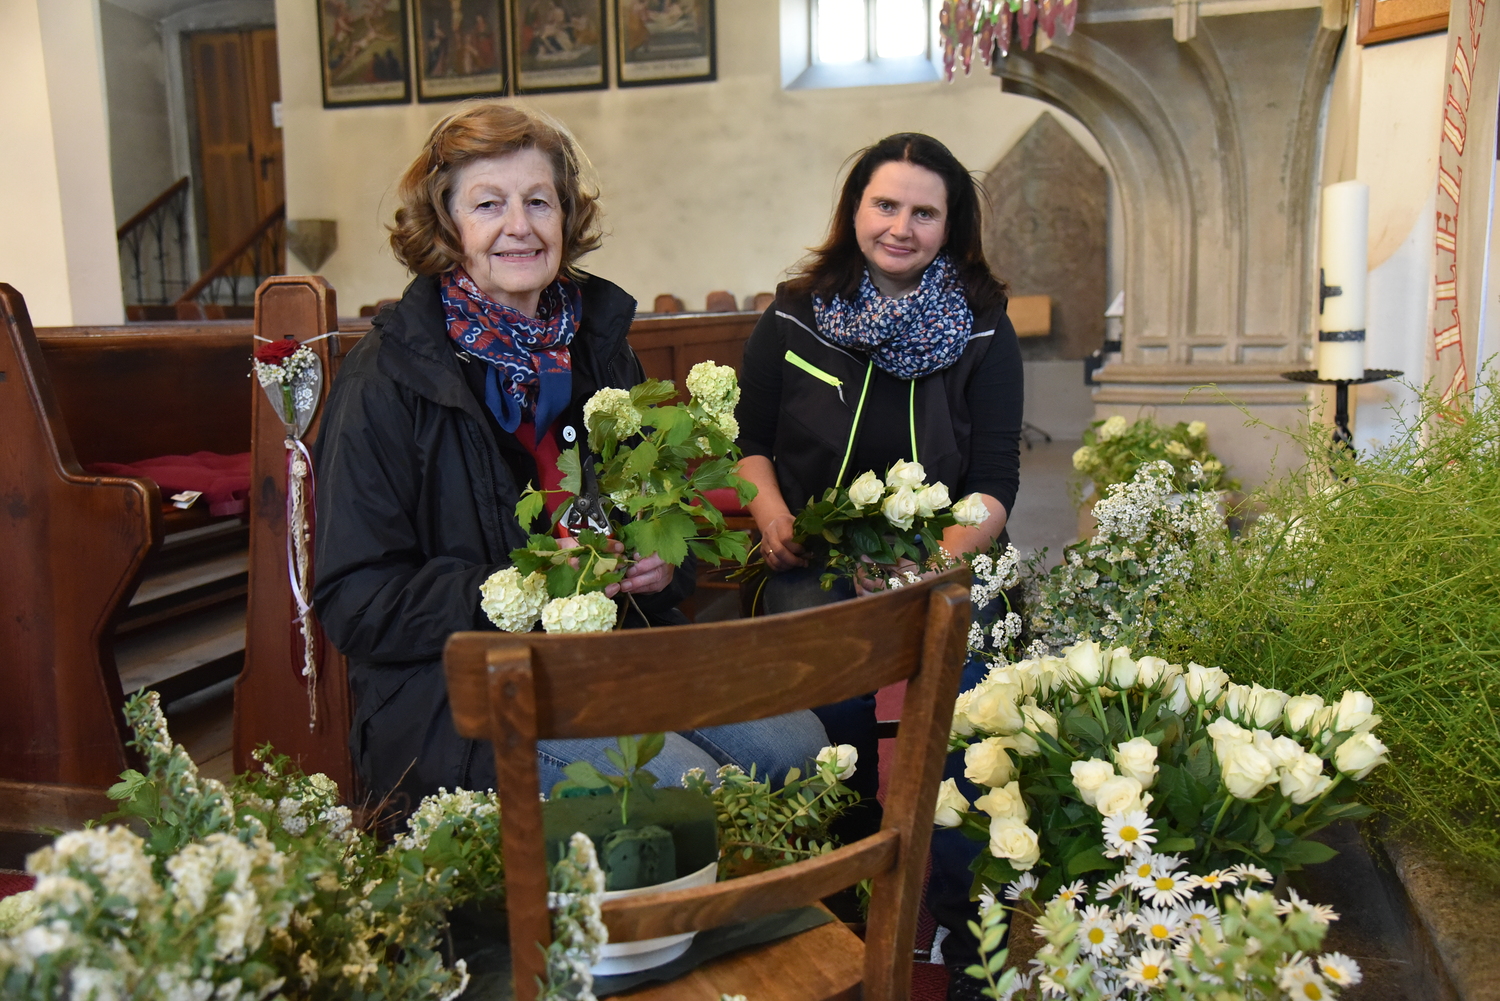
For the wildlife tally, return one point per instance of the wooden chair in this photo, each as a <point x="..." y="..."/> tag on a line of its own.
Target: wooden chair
<point x="720" y="302"/>
<point x="667" y="303"/>
<point x="515" y="689"/>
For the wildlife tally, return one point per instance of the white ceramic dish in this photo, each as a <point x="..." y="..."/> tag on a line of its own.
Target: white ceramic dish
<point x="633" y="957"/>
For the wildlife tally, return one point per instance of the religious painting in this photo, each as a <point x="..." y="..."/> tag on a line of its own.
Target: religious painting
<point x="364" y="52"/>
<point x="1384" y="20"/>
<point x="559" y="45"/>
<point x="460" y="49"/>
<point x="664" y="41"/>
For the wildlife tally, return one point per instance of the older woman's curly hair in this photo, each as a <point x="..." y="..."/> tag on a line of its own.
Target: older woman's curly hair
<point x="425" y="237"/>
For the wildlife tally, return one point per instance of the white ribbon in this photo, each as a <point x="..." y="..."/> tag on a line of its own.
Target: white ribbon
<point x="299" y="487"/>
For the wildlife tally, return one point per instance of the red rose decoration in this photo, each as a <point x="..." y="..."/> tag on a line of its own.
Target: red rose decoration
<point x="277" y="352"/>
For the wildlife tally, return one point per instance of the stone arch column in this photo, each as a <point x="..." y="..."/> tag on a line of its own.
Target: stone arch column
<point x="1213" y="144"/>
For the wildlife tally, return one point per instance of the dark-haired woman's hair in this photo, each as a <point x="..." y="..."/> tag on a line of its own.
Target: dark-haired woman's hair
<point x="836" y="266"/>
<point x="426" y="239"/>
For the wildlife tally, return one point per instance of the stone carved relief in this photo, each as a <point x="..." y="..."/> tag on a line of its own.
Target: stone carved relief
<point x="1046" y="233"/>
<point x="1212" y="143"/>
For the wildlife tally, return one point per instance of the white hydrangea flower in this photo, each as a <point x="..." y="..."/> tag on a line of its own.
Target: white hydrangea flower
<point x="1112" y="428"/>
<point x="714" y="387"/>
<point x="512" y="602"/>
<point x="582" y="613"/>
<point x="1085" y="458"/>
<point x="613" y="403"/>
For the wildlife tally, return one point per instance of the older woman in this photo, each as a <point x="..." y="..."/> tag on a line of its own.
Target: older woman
<point x="463" y="392"/>
<point x="890" y="342"/>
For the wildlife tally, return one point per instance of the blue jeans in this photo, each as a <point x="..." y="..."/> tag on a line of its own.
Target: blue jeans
<point x="772" y="745"/>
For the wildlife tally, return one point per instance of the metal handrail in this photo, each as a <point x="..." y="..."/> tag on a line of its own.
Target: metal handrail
<point x="227" y="259"/>
<point x="178" y="186"/>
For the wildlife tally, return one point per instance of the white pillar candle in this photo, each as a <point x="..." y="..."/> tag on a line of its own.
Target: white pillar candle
<point x="1344" y="257"/>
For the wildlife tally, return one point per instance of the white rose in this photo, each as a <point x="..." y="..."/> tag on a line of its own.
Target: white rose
<point x="1084" y="662"/>
<point x="582" y="613"/>
<point x="931" y="499"/>
<point x="1004" y="802"/>
<point x="1299" y="711"/>
<point x="866" y="490"/>
<point x="1120" y="794"/>
<point x="1266" y="705"/>
<point x="843" y="758"/>
<point x="950" y="804"/>
<point x="1205" y="684"/>
<point x="1302" y="779"/>
<point x="905" y="474"/>
<point x="1237" y="702"/>
<point x="1022" y="743"/>
<point x="1355" y="712"/>
<point x="1169" y="676"/>
<point x="1180" y="702"/>
<point x="1224" y="731"/>
<point x="1278" y="750"/>
<point x="1011" y="839"/>
<point x="1149" y="671"/>
<point x="962" y="725"/>
<point x="1123" y="671"/>
<point x="1197" y="429"/>
<point x="1050" y="672"/>
<point x="1089" y="775"/>
<point x="1136" y="758"/>
<point x="1085" y="459"/>
<point x="1112" y="428"/>
<point x="1039" y="720"/>
<point x="1244" y="770"/>
<point x="1358" y="755"/>
<point x="899" y="508"/>
<point x="1322" y="721"/>
<point x="988" y="763"/>
<point x="971" y="510"/>
<point x="993" y="709"/>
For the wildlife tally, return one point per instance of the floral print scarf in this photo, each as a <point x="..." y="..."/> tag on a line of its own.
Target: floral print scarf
<point x="916" y="335"/>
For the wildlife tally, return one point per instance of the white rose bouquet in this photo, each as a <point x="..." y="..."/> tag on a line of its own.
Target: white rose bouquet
<point x="1165" y="757"/>
<point x="650" y="467"/>
<point x="883" y="521"/>
<point x="1114" y="449"/>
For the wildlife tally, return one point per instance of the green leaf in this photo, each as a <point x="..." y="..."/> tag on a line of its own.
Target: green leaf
<point x="652" y="392"/>
<point x="568" y="465"/>
<point x="651" y="745"/>
<point x="641" y="459"/>
<point x="1089" y="860"/>
<point x="1304" y="853"/>
<point x="1085" y="727"/>
<point x="528" y="507"/>
<point x="562" y="580"/>
<point x="585" y="774"/>
<point x="1169" y="845"/>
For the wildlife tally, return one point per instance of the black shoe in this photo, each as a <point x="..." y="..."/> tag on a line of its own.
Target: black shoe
<point x="962" y="987"/>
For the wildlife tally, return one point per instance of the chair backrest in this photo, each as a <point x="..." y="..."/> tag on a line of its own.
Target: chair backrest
<point x="517" y="688"/>
<point x="667" y="303"/>
<point x="720" y="302"/>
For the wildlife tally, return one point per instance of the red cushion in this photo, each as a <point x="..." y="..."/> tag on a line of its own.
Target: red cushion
<point x="223" y="480"/>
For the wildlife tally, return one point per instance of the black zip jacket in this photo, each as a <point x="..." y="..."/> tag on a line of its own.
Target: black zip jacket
<point x="416" y="493"/>
<point x="801" y="394"/>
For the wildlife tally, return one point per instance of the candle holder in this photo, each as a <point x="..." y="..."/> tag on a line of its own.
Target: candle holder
<point x="1341" y="434"/>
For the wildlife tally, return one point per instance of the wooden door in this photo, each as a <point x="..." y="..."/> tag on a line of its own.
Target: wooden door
<point x="235" y="82"/>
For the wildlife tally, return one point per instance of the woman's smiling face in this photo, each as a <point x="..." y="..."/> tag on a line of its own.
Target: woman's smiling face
<point x="901" y="224"/>
<point x="510" y="219"/>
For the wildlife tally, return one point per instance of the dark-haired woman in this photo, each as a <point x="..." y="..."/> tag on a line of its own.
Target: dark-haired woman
<point x="889" y="343"/>
<point x="463" y="392"/>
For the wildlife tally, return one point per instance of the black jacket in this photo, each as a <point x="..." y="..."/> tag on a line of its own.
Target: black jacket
<point x="801" y="393"/>
<point x="415" y="509"/>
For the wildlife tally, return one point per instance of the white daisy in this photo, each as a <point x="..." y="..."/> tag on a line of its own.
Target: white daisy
<point x="1199" y="915"/>
<point x="1021" y="887"/>
<point x="1128" y="834"/>
<point x="1320" y="913"/>
<point x="1149" y="969"/>
<point x="1339" y="969"/>
<point x="1218" y="880"/>
<point x="1096" y="934"/>
<point x="1112" y="887"/>
<point x="1300" y="982"/>
<point x="1166" y="888"/>
<point x="1248" y="872"/>
<point x="1070" y="894"/>
<point x="1159" y="925"/>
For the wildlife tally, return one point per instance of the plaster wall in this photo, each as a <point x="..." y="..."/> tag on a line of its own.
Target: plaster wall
<point x="708" y="186"/>
<point x="140" y="138"/>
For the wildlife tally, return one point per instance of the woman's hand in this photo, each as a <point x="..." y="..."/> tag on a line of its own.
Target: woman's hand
<point x="776" y="544"/>
<point x="870" y="577"/>
<point x="645" y="576"/>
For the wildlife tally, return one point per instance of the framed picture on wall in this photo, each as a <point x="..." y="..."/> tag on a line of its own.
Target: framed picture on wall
<point x="460" y="49"/>
<point x="559" y="45"/>
<point x="364" y="50"/>
<point x="1385" y="20"/>
<point x="664" y="41"/>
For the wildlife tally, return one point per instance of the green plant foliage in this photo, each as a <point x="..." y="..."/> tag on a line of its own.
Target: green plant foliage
<point x="1382" y="572"/>
<point x="1113" y="450"/>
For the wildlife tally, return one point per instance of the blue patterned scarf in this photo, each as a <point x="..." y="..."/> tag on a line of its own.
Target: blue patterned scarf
<point x="916" y="335"/>
<point x="531" y="370"/>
